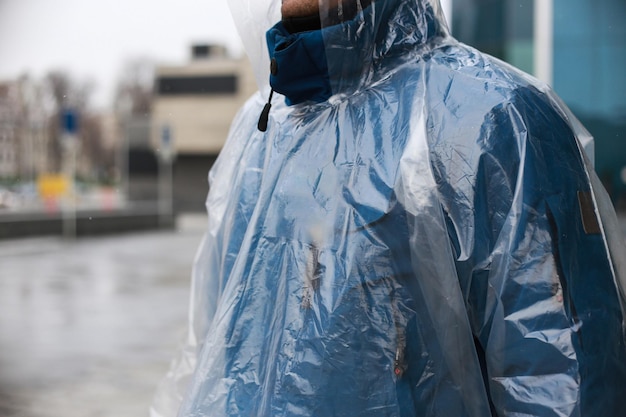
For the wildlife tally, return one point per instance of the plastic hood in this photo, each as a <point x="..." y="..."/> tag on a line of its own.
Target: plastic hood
<point x="352" y="44"/>
<point x="253" y="18"/>
<point x="359" y="35"/>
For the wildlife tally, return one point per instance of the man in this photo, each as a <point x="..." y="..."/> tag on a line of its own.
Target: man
<point x="412" y="229"/>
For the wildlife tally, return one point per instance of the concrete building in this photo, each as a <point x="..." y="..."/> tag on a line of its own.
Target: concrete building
<point x="193" y="108"/>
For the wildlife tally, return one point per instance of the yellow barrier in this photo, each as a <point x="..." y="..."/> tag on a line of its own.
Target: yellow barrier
<point x="53" y="186"/>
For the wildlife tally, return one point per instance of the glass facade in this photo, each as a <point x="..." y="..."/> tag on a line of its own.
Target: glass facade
<point x="503" y="29"/>
<point x="588" y="62"/>
<point x="589" y="65"/>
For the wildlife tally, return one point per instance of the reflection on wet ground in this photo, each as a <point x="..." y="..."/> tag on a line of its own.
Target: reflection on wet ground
<point x="88" y="327"/>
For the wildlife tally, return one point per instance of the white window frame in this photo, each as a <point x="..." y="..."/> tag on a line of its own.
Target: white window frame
<point x="544" y="40"/>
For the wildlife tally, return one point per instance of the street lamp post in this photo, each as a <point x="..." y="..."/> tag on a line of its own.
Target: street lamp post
<point x="70" y="147"/>
<point x="166" y="174"/>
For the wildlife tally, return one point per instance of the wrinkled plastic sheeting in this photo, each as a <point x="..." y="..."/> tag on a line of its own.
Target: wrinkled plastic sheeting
<point x="430" y="241"/>
<point x="253" y="19"/>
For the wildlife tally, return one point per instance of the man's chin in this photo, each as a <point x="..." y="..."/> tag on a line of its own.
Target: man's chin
<point x="299" y="8"/>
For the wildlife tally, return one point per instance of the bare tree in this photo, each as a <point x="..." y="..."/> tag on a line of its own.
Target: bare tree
<point x="99" y="160"/>
<point x="31" y="119"/>
<point x="65" y="92"/>
<point x="134" y="92"/>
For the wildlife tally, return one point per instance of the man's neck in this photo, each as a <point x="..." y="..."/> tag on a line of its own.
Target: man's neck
<point x="302" y="23"/>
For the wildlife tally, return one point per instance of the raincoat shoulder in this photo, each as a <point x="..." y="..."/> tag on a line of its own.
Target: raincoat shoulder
<point x="522" y="208"/>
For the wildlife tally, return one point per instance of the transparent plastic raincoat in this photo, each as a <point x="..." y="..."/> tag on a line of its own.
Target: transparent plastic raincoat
<point x="418" y="231"/>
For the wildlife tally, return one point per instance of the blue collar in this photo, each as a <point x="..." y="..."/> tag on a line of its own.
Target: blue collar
<point x="342" y="58"/>
<point x="299" y="69"/>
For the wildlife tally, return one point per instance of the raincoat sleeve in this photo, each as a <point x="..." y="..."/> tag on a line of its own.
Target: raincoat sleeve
<point x="533" y="264"/>
<point x="214" y="258"/>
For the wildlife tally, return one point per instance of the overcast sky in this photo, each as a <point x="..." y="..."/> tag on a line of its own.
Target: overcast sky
<point x="91" y="39"/>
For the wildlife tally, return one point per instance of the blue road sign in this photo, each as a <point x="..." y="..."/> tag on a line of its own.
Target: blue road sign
<point x="69" y="121"/>
<point x="166" y="136"/>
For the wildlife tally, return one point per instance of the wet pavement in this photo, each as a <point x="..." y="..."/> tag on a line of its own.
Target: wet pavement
<point x="88" y="327"/>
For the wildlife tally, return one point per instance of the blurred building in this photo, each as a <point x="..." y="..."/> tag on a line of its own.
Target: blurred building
<point x="9" y="167"/>
<point x="577" y="46"/>
<point x="23" y="131"/>
<point x="192" y="111"/>
<point x="138" y="158"/>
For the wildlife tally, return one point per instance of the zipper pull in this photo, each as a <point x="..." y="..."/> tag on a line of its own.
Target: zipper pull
<point x="265" y="114"/>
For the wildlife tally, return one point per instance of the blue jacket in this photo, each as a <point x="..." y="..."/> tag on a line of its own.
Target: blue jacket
<point x="419" y="233"/>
